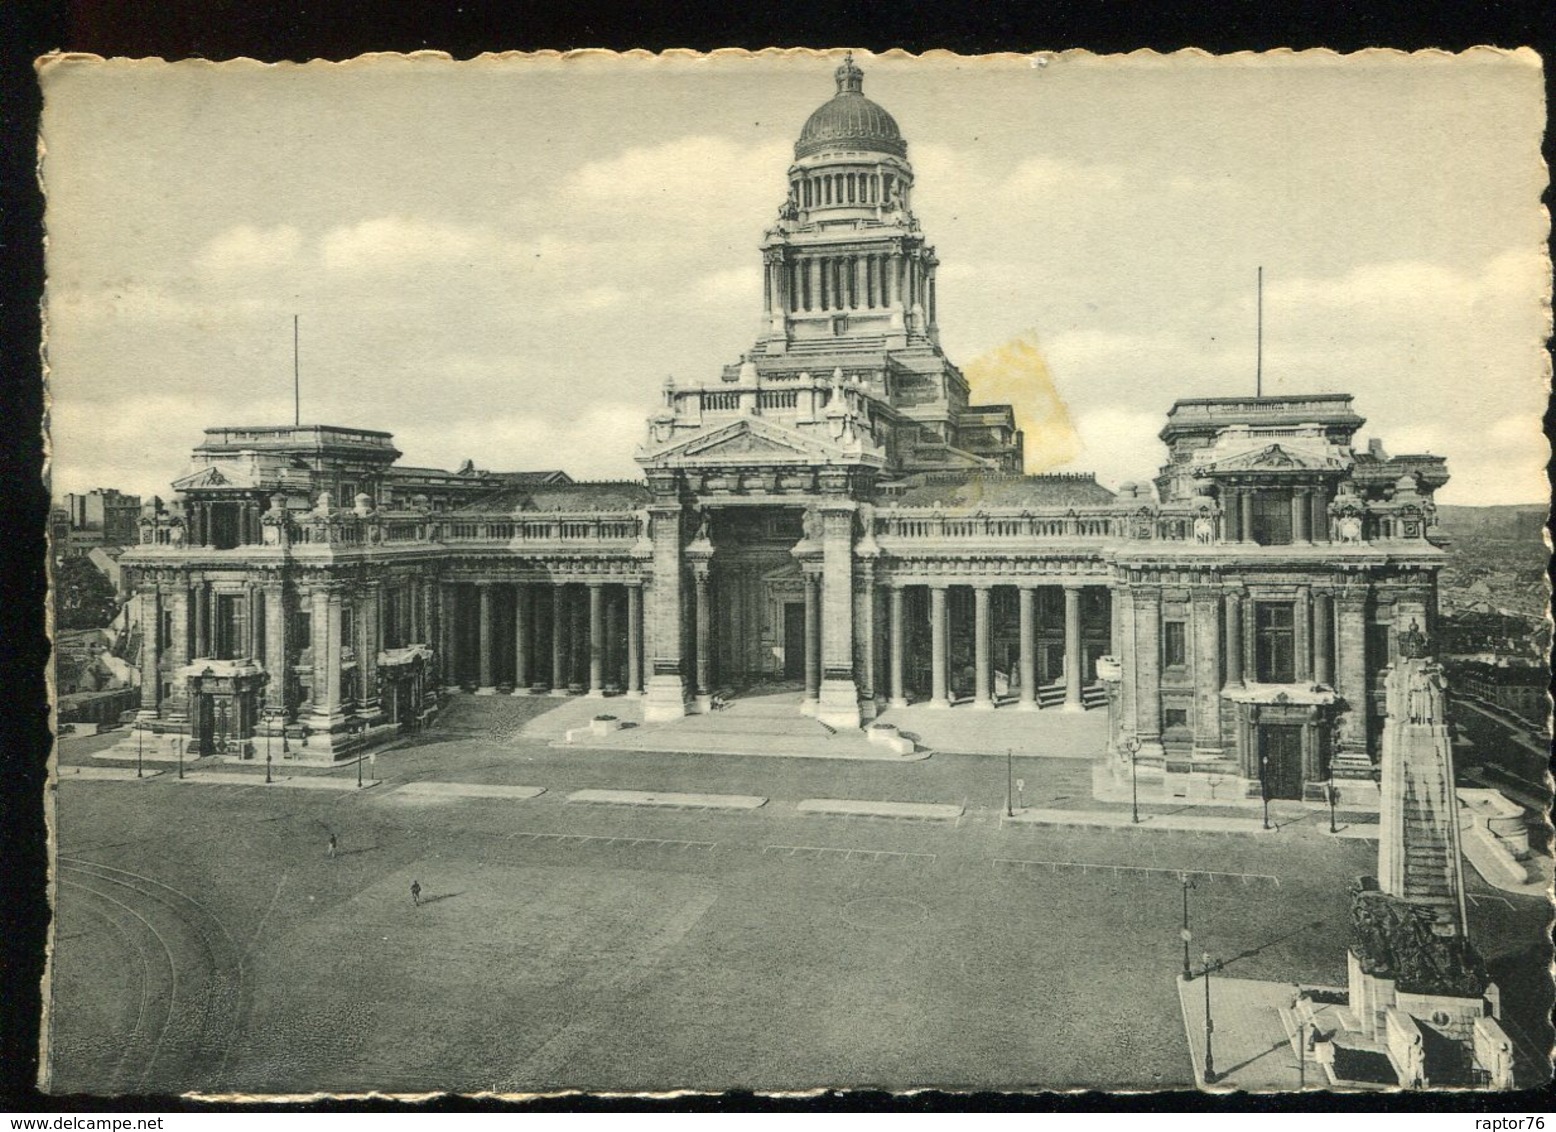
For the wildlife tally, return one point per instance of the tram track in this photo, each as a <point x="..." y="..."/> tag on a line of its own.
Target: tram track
<point x="207" y="996"/>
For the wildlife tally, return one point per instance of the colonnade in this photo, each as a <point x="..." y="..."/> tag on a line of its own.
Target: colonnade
<point x="819" y="190"/>
<point x="564" y="636"/>
<point x="983" y="684"/>
<point x="854" y="281"/>
<point x="1309" y="513"/>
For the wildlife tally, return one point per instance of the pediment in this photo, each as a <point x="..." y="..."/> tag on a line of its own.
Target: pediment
<point x="1270" y="458"/>
<point x="211" y="478"/>
<point x="748" y="441"/>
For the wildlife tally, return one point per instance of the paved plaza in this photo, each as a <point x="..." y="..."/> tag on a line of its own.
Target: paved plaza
<point x="613" y="920"/>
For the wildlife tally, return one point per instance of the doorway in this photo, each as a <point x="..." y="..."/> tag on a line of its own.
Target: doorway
<point x="1280" y="751"/>
<point x="794" y="640"/>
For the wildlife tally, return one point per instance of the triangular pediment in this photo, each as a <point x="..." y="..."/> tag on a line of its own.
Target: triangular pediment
<point x="212" y="478"/>
<point x="747" y="441"/>
<point x="1271" y="458"/>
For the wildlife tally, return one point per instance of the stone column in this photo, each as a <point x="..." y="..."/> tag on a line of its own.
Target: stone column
<point x="178" y="650"/>
<point x="276" y="652"/>
<point x="1301" y="511"/>
<point x="812" y="641"/>
<point x="1123" y="600"/>
<point x="578" y="640"/>
<point x="634" y="639"/>
<point x="326" y="716"/>
<point x="150" y="652"/>
<point x="1231" y="515"/>
<point x="703" y="619"/>
<point x="611" y="650"/>
<point x="666" y="684"/>
<point x="1245" y="506"/>
<point x="523" y="616"/>
<point x="1027" y="616"/>
<point x="1323" y="634"/>
<point x="864" y="636"/>
<point x="202" y="620"/>
<point x="982" y="697"/>
<point x="485" y="657"/>
<point x="1148" y="670"/>
<point x="1301" y="636"/>
<point x="1320" y="505"/>
<point x="1206" y="606"/>
<point x="596" y="687"/>
<point x="368" y="644"/>
<point x="559" y="639"/>
<point x="899" y="695"/>
<point x="1072" y="649"/>
<point x="838" y="705"/>
<point x="1233" y="602"/>
<point x="447" y="604"/>
<point x="1351" y="670"/>
<point x="939" y="651"/>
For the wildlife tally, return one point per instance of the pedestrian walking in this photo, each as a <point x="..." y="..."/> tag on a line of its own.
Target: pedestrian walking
<point x="333" y="844"/>
<point x="416" y="893"/>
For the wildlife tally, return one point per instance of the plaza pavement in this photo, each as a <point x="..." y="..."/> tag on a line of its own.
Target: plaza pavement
<point x="593" y="964"/>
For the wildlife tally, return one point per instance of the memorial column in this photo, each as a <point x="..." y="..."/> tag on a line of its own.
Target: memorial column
<point x="150" y="652"/>
<point x="276" y="651"/>
<point x="666" y="698"/>
<point x="838" y="703"/>
<point x="812" y="641"/>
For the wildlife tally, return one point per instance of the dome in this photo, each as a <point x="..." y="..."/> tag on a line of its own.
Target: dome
<point x="850" y="121"/>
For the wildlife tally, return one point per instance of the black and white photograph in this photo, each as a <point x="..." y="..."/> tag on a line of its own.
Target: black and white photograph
<point x="627" y="573"/>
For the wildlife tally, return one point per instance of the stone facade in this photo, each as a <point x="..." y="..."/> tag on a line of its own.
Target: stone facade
<point x="833" y="512"/>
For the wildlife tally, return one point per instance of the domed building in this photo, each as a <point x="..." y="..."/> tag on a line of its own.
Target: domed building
<point x="831" y="519"/>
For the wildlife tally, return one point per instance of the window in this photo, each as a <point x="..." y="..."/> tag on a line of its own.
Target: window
<point x="1272" y="518"/>
<point x="1175" y="652"/>
<point x="1274" y="637"/>
<point x="1175" y="719"/>
<point x="165" y="630"/>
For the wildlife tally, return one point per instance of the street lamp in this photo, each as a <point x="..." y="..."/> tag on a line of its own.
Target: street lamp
<point x="1264" y="787"/>
<point x="1333" y="795"/>
<point x="1132" y="745"/>
<point x="1210" y="1057"/>
<point x="139" y="738"/>
<point x="1185" y="934"/>
<point x="269" y="743"/>
<point x="1010" y="780"/>
<point x="178" y="745"/>
<point x="1301" y="1054"/>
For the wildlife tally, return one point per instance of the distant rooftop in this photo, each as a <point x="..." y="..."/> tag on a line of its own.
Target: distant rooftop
<point x="999" y="490"/>
<point x="1196" y="414"/>
<point x="299" y="438"/>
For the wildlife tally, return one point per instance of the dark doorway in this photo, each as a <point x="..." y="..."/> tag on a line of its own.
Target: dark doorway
<point x="794" y="640"/>
<point x="1280" y="748"/>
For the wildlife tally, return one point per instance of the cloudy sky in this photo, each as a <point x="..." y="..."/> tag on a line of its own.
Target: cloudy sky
<point x="503" y="260"/>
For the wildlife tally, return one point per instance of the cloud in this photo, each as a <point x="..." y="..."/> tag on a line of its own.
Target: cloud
<point x="245" y="248"/>
<point x="595" y="444"/>
<point x="740" y="285"/>
<point x="391" y="243"/>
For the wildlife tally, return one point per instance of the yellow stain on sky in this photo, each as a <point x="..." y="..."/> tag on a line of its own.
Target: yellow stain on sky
<point x="1015" y="373"/>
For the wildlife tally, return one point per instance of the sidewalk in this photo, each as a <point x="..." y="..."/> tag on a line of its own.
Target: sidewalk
<point x="1250" y="1048"/>
<point x="1184" y="821"/>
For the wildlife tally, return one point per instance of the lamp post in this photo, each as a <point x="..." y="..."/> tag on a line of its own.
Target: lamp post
<point x="139" y="738"/>
<point x="269" y="743"/>
<point x="1333" y="797"/>
<point x="1264" y="787"/>
<point x="1010" y="780"/>
<point x="178" y="745"/>
<point x="1210" y="1026"/>
<point x="1301" y="1054"/>
<point x="1184" y="933"/>
<point x="1132" y="745"/>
